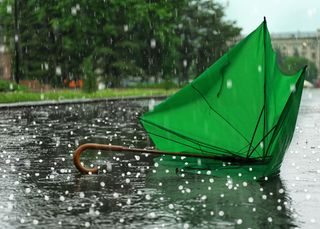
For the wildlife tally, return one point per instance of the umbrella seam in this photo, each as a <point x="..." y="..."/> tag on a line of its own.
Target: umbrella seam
<point x="211" y="108"/>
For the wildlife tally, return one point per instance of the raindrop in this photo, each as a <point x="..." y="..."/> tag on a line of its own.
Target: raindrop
<point x="58" y="71"/>
<point x="27" y="163"/>
<point x="229" y="84"/>
<point x="152" y="215"/>
<point x="9" y="9"/>
<point x="151" y="104"/>
<point x="109" y="166"/>
<point x="259" y="68"/>
<point x="204" y="197"/>
<point x="239" y="221"/>
<point x="73" y="11"/>
<point x="185" y="63"/>
<point x="153" y="43"/>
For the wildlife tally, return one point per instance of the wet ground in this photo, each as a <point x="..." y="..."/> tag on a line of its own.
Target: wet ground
<point x="40" y="188"/>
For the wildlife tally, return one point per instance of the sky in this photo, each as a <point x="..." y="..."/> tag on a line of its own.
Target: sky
<point x="282" y="15"/>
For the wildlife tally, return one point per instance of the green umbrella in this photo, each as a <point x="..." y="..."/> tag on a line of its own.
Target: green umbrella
<point x="238" y="116"/>
<point x="242" y="107"/>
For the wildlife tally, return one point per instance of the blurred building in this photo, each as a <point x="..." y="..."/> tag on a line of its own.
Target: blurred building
<point x="302" y="44"/>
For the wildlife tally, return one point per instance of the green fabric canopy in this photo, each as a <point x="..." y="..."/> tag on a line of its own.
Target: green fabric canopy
<point x="241" y="106"/>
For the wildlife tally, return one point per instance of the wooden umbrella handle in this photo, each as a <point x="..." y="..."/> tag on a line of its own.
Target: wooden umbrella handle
<point x="82" y="148"/>
<point x="84" y="170"/>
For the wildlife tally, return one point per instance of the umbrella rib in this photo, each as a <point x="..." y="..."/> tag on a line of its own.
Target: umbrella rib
<point x="264" y="137"/>
<point x="265" y="122"/>
<point x="255" y="129"/>
<point x="226" y="151"/>
<point x="182" y="136"/>
<point x="242" y="148"/>
<point x="220" y="114"/>
<point x="187" y="138"/>
<point x="278" y="124"/>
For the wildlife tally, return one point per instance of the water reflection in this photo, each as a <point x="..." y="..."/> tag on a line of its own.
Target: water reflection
<point x="209" y="201"/>
<point x="41" y="188"/>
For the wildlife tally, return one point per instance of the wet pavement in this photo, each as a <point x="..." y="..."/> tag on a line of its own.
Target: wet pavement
<point x="40" y="187"/>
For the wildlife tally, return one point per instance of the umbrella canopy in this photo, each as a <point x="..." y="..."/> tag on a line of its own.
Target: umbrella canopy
<point x="241" y="106"/>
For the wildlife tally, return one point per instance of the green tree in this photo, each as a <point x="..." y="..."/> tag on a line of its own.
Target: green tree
<point x="136" y="38"/>
<point x="205" y="36"/>
<point x="292" y="64"/>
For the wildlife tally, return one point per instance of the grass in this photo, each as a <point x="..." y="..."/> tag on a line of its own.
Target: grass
<point x="24" y="96"/>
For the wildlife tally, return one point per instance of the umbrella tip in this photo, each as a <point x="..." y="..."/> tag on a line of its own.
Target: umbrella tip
<point x="304" y="68"/>
<point x="264" y="19"/>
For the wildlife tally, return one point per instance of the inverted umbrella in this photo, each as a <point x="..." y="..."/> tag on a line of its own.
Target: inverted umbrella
<point x="241" y="109"/>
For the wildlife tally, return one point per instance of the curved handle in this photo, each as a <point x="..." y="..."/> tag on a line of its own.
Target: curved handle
<point x="77" y="163"/>
<point x="82" y="148"/>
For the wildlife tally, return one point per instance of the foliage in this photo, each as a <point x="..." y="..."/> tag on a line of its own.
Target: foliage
<point x="161" y="40"/>
<point x="204" y="36"/>
<point x="292" y="64"/>
<point x="6" y="86"/>
<point x="295" y="63"/>
<point x="164" y="85"/>
<point x="90" y="82"/>
<point x="60" y="95"/>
